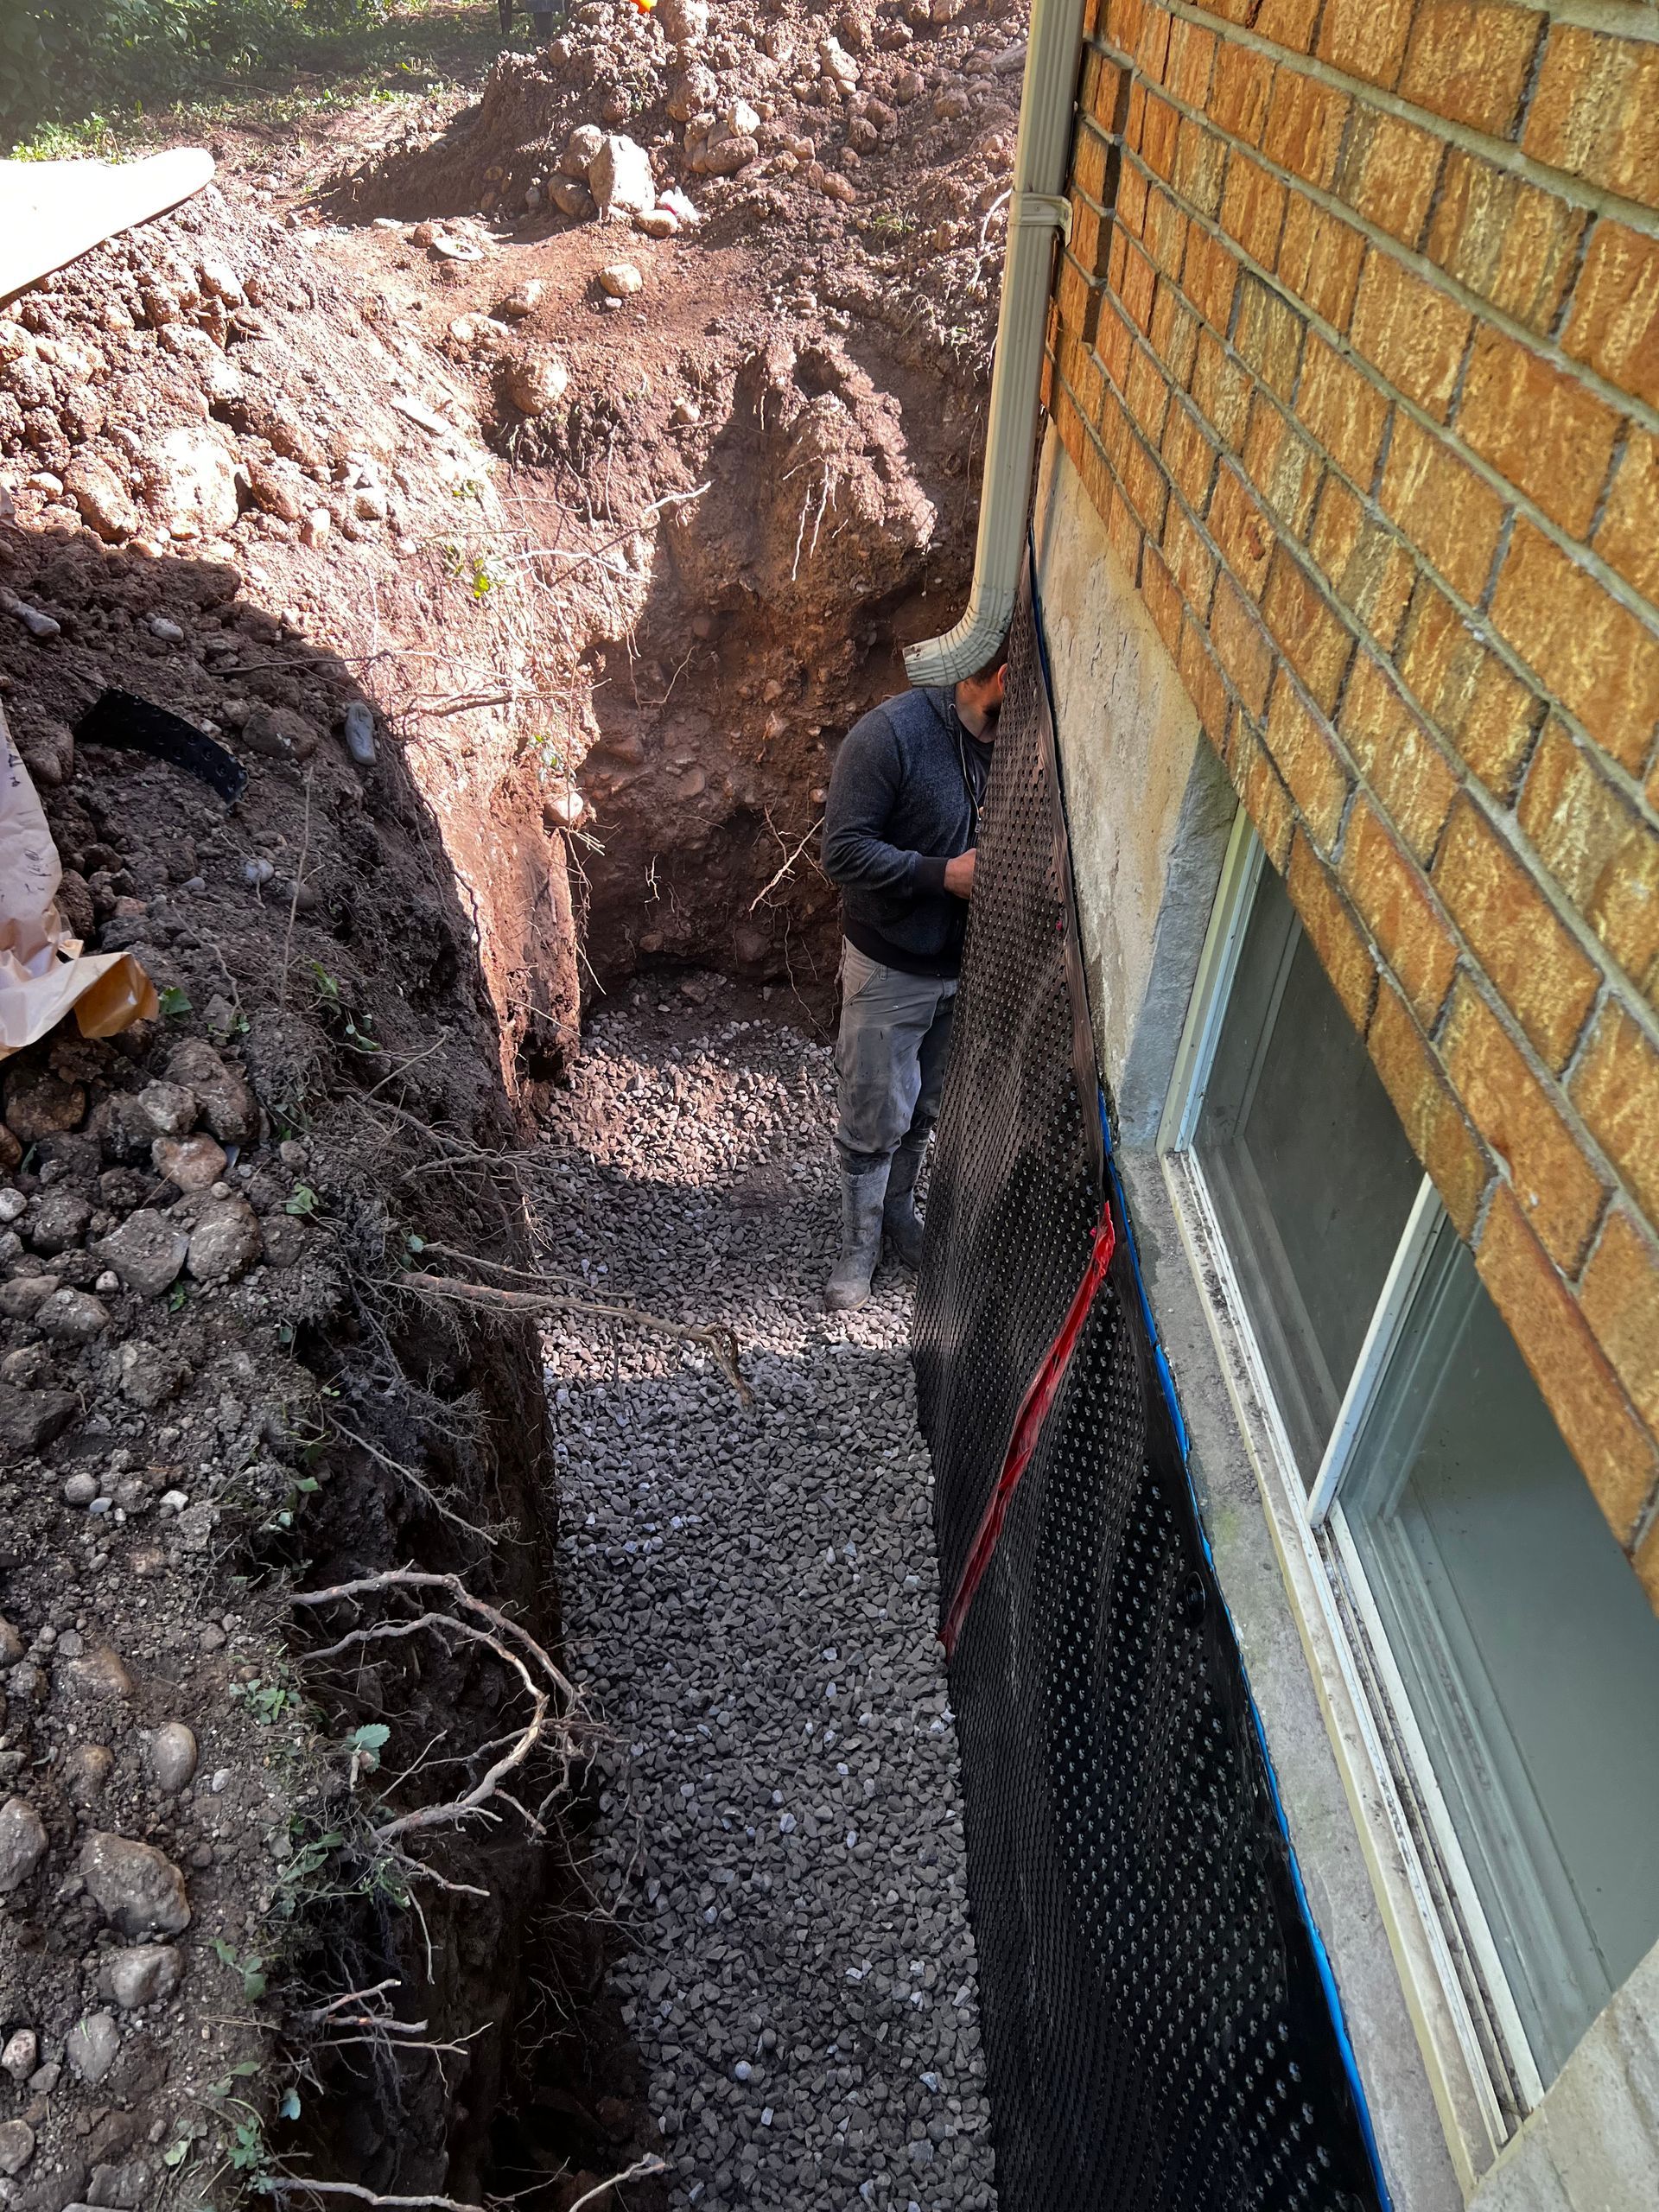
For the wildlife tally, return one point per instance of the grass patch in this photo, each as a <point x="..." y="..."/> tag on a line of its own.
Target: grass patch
<point x="144" y="72"/>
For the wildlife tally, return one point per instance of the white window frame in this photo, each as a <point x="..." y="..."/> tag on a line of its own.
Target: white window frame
<point x="1480" y="2065"/>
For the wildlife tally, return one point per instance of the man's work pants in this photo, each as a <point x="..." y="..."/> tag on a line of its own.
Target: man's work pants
<point x="890" y="1056"/>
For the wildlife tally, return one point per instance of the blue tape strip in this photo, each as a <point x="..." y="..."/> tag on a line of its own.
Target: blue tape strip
<point x="1321" y="1957"/>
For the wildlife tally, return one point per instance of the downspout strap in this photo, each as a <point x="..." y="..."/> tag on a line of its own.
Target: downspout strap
<point x="1041" y="211"/>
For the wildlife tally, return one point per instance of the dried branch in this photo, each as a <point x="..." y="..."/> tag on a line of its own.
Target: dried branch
<point x="790" y="859"/>
<point x="295" y="2185"/>
<point x="649" y="2165"/>
<point x="715" y="1337"/>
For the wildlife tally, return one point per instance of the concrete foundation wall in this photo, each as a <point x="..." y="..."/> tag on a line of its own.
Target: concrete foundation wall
<point x="1150" y="803"/>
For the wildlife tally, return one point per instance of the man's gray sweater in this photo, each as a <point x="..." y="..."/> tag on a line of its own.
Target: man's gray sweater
<point x="904" y="799"/>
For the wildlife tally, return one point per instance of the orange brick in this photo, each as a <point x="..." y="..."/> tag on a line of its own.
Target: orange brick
<point x="1545" y="432"/>
<point x="1388" y="888"/>
<point x="1335" y="934"/>
<point x="1090" y="239"/>
<point x="1619" y="1294"/>
<point x="1286" y="23"/>
<point x="1253" y="209"/>
<point x="1579" y="1386"/>
<point x="1345" y="412"/>
<point x="1240" y="529"/>
<point x="1435" y="1125"/>
<point x="1200" y="161"/>
<point x="1596" y="111"/>
<point x="1387" y="173"/>
<point x="1158" y="131"/>
<point x="1191" y="56"/>
<point x="1190" y="457"/>
<point x="1615" y="1088"/>
<point x="1144" y="485"/>
<point x="1139" y="284"/>
<point x="1096" y="476"/>
<point x="1315" y="640"/>
<point x="1122" y="19"/>
<point x="1241" y="644"/>
<point x="1191" y="562"/>
<point x="1628" y="539"/>
<point x="1108" y="100"/>
<point x="1239" y="91"/>
<point x="1165" y="232"/>
<point x="1305" y="123"/>
<point x="1071" y="293"/>
<point x="1414" y="333"/>
<point x="1469" y="59"/>
<point x="1599" y="850"/>
<point x="1115" y="345"/>
<point x="1503" y="238"/>
<point x="1145" y="393"/>
<point x="1089" y="159"/>
<point x="1221" y="389"/>
<point x="1210" y="277"/>
<point x="1281" y="464"/>
<point x="1397" y="757"/>
<point x="1174" y="331"/>
<point x="1202" y="680"/>
<point x="1560" y="1193"/>
<point x="1163" y="598"/>
<point x="1308" y="760"/>
<point x="1596" y="658"/>
<point x="1151" y="48"/>
<point x="1320" y="259"/>
<point x="1269" y="335"/>
<point x="1130" y="206"/>
<point x="1466" y="690"/>
<point x="1442" y="507"/>
<point x="1366" y="38"/>
<point x="1370" y="570"/>
<point x="1267" y="802"/>
<point x="1504" y="913"/>
<point x="1614" y="324"/>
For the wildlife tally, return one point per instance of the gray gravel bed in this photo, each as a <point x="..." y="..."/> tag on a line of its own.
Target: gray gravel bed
<point x="750" y="1597"/>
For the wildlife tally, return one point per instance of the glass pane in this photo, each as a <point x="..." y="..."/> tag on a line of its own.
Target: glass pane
<point x="1530" y="1652"/>
<point x="1308" y="1167"/>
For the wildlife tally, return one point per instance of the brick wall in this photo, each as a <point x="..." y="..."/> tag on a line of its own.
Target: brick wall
<point x="1355" y="346"/>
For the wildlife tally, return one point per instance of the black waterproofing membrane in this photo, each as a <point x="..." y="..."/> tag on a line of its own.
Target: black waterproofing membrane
<point x="1160" y="2023"/>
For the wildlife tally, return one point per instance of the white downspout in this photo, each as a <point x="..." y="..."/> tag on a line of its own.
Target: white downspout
<point x="1035" y="211"/>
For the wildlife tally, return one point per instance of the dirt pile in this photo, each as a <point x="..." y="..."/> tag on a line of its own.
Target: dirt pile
<point x="206" y="386"/>
<point x="867" y="154"/>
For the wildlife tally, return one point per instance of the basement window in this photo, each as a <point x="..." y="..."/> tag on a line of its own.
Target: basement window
<point x="1491" y="1662"/>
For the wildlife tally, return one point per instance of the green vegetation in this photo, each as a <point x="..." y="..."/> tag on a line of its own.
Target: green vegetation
<point x="81" y="77"/>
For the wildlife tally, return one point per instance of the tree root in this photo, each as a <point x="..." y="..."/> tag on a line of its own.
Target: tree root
<point x="713" y="1336"/>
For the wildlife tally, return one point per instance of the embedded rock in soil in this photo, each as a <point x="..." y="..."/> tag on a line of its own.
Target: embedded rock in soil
<point x="195" y="1164"/>
<point x="138" y="1890"/>
<point x="170" y="1756"/>
<point x="17" y="2146"/>
<point x="39" y="1103"/>
<point x="23" y="1843"/>
<point x="85" y="1771"/>
<point x="92" y="2046"/>
<point x="59" y="1220"/>
<point x="147" y="1252"/>
<point x="72" y="1317"/>
<point x="94" y="1675"/>
<point x="30" y="1418"/>
<point x="620" y="178"/>
<point x="144" y="1974"/>
<point x="188" y="477"/>
<point x="222" y="1092"/>
<point x="535" y="384"/>
<point x="226" y="1243"/>
<point x="102" y="499"/>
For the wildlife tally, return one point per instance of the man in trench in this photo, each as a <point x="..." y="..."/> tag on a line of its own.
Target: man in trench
<point x="899" y="832"/>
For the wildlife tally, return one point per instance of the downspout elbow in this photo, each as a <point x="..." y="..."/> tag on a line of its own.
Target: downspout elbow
<point x="1036" y="210"/>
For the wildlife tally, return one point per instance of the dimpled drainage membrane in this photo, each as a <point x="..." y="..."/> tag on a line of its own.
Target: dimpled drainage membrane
<point x="1154" y="2005"/>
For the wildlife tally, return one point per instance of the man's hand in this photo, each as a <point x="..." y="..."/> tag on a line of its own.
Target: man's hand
<point x="959" y="876"/>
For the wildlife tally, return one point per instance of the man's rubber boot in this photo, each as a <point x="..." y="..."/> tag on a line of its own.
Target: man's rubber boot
<point x="899" y="1214"/>
<point x="861" y="1193"/>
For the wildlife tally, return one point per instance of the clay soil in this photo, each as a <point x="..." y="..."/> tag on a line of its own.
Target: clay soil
<point x="267" y="461"/>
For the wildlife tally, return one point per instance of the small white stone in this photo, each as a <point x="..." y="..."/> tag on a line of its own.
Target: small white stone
<point x="621" y="280"/>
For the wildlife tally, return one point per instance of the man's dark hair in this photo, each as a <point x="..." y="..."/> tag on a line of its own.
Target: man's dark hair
<point x="984" y="675"/>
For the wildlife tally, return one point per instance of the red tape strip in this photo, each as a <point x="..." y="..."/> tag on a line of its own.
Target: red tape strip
<point x="1028" y="1427"/>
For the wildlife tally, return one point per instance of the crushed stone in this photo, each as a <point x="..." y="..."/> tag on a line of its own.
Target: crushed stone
<point x="751" y="1598"/>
